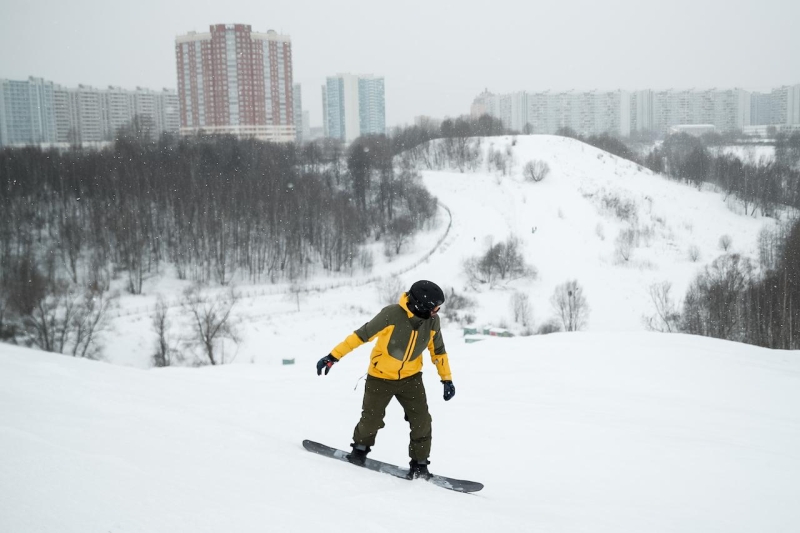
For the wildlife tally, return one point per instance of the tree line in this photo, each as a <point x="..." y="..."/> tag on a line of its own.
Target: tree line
<point x="735" y="298"/>
<point x="740" y="300"/>
<point x="759" y="186"/>
<point x="212" y="208"/>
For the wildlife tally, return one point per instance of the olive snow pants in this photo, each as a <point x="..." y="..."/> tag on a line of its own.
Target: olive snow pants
<point x="410" y="392"/>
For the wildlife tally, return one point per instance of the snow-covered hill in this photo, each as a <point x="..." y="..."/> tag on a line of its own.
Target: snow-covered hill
<point x="576" y="228"/>
<point x="612" y="429"/>
<point x="568" y="230"/>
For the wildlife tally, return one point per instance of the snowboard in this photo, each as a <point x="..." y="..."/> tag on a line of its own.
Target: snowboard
<point x="458" y="485"/>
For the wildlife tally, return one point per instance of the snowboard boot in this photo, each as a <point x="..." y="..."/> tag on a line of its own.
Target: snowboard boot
<point x="359" y="454"/>
<point x="419" y="470"/>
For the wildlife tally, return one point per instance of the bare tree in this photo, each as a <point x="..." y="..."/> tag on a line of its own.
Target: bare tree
<point x="694" y="253"/>
<point x="70" y="243"/>
<point x="502" y="261"/>
<point x="89" y="319"/>
<point x="7" y="329"/>
<point x="296" y="291"/>
<point x="399" y="232"/>
<point x="68" y="322"/>
<point x="522" y="309"/>
<point x="44" y="325"/>
<point x="570" y="305"/>
<point x="667" y="318"/>
<point x="714" y="303"/>
<point x="211" y="321"/>
<point x="161" y="324"/>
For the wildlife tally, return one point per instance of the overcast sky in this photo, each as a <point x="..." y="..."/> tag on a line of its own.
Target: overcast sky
<point x="436" y="55"/>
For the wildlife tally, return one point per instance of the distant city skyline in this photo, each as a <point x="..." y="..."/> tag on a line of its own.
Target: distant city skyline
<point x="647" y="110"/>
<point x="435" y="56"/>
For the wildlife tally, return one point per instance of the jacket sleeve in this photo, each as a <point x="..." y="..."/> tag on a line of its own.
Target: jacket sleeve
<point x="438" y="352"/>
<point x="365" y="333"/>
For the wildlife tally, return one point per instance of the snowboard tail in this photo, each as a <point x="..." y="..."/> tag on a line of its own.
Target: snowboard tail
<point x="458" y="485"/>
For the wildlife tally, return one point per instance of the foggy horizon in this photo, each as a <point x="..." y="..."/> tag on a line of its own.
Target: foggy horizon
<point x="434" y="58"/>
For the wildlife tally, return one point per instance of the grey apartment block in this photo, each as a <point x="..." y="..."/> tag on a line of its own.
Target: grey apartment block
<point x="622" y="112"/>
<point x="41" y="112"/>
<point x="27" y="112"/>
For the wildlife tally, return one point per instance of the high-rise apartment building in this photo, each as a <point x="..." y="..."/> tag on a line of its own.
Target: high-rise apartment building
<point x="232" y="80"/>
<point x="371" y="105"/>
<point x="353" y="106"/>
<point x="27" y="112"/>
<point x="297" y="105"/>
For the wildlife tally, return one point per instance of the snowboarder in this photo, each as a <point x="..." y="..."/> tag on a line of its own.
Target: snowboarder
<point x="403" y="331"/>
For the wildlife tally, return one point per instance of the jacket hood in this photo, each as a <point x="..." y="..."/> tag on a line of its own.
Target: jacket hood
<point x="404" y="304"/>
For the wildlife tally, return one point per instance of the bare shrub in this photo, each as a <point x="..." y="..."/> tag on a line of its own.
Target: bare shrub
<point x="570" y="305"/>
<point x="694" y="253"/>
<point x="625" y="244"/>
<point x="389" y="290"/>
<point x="365" y="259"/>
<point x="535" y="170"/>
<point x="622" y="208"/>
<point x="725" y="242"/>
<point x="551" y="326"/>
<point x="600" y="231"/>
<point x="500" y="160"/>
<point x="457" y="307"/>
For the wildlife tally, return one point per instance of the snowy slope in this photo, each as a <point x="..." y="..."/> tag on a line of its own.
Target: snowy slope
<point x="595" y="432"/>
<point x="612" y="429"/>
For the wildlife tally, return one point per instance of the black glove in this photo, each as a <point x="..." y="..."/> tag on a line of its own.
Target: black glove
<point x="449" y="390"/>
<point x="326" y="363"/>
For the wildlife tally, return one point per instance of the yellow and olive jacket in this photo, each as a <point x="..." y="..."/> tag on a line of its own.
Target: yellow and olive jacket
<point x="402" y="337"/>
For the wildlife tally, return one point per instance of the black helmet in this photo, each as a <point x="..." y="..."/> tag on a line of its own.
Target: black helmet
<point x="423" y="297"/>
